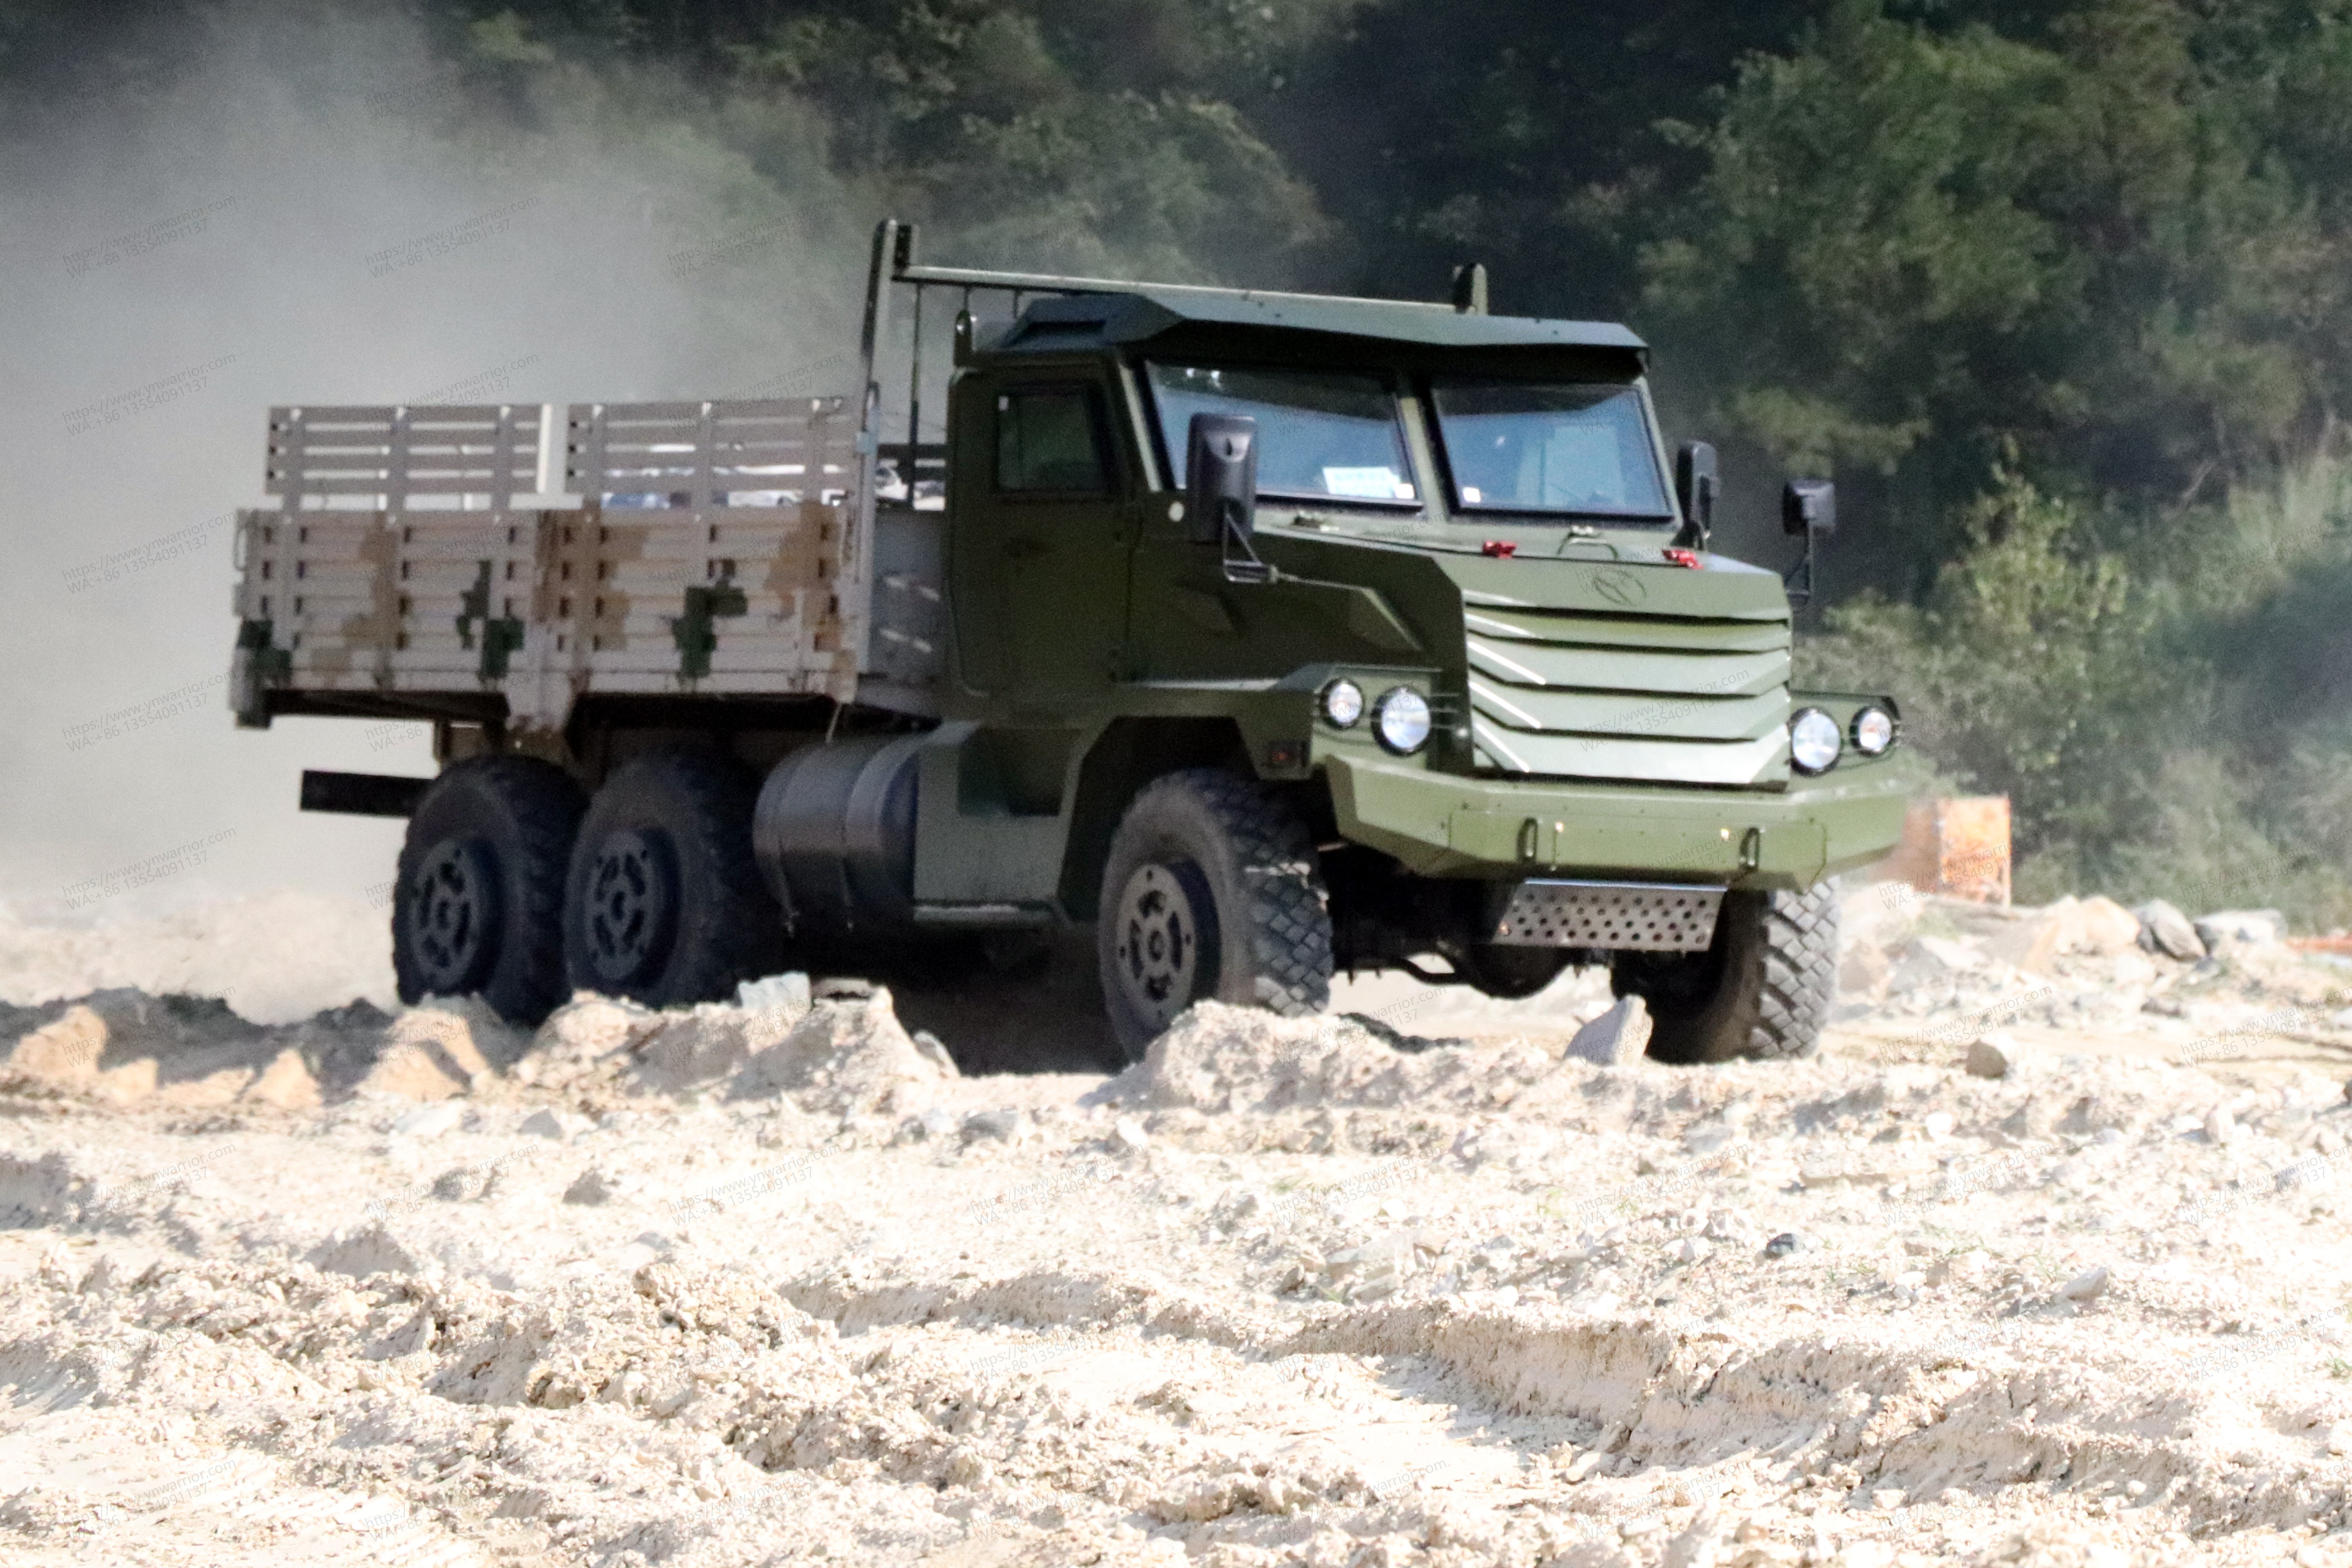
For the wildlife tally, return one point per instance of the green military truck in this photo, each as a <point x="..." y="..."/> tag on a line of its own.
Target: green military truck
<point x="1270" y="634"/>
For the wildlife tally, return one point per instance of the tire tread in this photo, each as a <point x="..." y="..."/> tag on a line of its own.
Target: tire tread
<point x="739" y="942"/>
<point x="1288" y="906"/>
<point x="544" y="807"/>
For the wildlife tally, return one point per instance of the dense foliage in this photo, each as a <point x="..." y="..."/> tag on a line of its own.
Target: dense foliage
<point x="2061" y="292"/>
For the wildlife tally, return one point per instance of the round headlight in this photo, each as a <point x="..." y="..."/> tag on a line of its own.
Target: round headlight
<point x="1874" y="732"/>
<point x="1402" y="720"/>
<point x="1343" y="704"/>
<point x="1814" y="741"/>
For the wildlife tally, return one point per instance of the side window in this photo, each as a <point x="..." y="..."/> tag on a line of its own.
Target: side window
<point x="1049" y="442"/>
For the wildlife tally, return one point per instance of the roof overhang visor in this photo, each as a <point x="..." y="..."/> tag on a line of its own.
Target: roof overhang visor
<point x="1079" y="323"/>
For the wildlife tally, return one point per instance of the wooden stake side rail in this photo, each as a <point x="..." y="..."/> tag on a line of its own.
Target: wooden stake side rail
<point x="399" y="454"/>
<point x="703" y="548"/>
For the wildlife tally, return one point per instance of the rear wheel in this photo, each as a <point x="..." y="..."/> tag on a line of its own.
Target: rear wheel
<point x="479" y="905"/>
<point x="1210" y="892"/>
<point x="1763" y="990"/>
<point x="664" y="903"/>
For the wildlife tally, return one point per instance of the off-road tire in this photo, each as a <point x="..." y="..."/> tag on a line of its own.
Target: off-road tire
<point x="503" y="825"/>
<point x="704" y="922"/>
<point x="1247" y="864"/>
<point x="1762" y="991"/>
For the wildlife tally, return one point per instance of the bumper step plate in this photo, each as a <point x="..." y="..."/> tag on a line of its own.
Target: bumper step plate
<point x="1636" y="917"/>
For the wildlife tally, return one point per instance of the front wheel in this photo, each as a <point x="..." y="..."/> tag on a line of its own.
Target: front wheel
<point x="1763" y="990"/>
<point x="1211" y="892"/>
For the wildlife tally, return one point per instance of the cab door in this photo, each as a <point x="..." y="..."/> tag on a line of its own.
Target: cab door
<point x="1041" y="539"/>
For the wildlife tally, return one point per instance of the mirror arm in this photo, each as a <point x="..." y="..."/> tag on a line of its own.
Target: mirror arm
<point x="1694" y="493"/>
<point x="1695" y="533"/>
<point x="1808" y="507"/>
<point x="1246" y="567"/>
<point x="1804" y="567"/>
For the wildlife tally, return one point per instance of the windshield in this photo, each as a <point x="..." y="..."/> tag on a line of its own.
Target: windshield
<point x="1330" y="436"/>
<point x="1580" y="450"/>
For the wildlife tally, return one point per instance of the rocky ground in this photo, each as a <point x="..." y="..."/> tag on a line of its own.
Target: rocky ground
<point x="2045" y="1259"/>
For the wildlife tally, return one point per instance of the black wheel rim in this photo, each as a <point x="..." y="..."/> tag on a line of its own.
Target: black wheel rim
<point x="1165" y="952"/>
<point x="453" y="913"/>
<point x="632" y="907"/>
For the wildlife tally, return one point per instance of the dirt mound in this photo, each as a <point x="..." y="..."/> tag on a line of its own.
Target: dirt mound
<point x="847" y="1054"/>
<point x="841" y="1054"/>
<point x="188" y="1053"/>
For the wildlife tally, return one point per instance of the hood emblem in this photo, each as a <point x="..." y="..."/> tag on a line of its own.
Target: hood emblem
<point x="1619" y="587"/>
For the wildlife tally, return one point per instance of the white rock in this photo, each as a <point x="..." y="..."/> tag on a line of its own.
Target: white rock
<point x="2164" y="929"/>
<point x="2086" y="1285"/>
<point x="1129" y="1133"/>
<point x="2220" y="1125"/>
<point x="430" y="1121"/>
<point x="1939" y="1123"/>
<point x="1617" y="1036"/>
<point x="774" y="990"/>
<point x="2340" y="1437"/>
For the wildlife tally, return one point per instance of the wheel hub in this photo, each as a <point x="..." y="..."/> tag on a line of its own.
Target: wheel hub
<point x="632" y="906"/>
<point x="453" y="915"/>
<point x="1162" y="928"/>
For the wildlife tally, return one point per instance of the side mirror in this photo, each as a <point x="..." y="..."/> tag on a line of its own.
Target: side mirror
<point x="1694" y="487"/>
<point x="1220" y="466"/>
<point x="1808" y="507"/>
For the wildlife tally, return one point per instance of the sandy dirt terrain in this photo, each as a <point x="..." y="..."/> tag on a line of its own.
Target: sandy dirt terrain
<point x="783" y="1282"/>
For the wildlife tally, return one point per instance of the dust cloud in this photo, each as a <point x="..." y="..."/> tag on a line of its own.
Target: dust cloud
<point x="318" y="208"/>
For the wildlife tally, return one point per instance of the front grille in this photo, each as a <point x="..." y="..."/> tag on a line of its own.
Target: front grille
<point x="1653" y="698"/>
<point x="1641" y="917"/>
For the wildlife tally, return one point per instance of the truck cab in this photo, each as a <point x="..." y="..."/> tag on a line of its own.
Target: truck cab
<point x="1467" y="631"/>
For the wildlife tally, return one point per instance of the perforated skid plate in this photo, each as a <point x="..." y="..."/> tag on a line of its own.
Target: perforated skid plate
<point x="1645" y="917"/>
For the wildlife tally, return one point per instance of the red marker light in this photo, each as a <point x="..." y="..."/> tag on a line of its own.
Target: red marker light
<point x="1501" y="549"/>
<point x="1681" y="557"/>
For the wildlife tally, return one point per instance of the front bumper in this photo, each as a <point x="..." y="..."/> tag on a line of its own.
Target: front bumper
<point x="1447" y="824"/>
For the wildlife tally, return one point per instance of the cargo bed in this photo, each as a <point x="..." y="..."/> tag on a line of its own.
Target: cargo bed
<point x="493" y="563"/>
